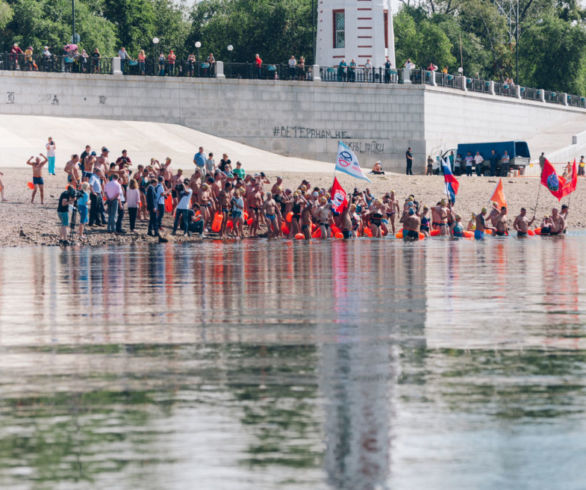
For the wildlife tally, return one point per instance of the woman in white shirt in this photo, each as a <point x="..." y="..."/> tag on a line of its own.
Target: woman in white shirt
<point x="132" y="202"/>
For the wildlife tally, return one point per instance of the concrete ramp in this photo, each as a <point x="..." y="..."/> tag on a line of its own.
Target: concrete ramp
<point x="562" y="142"/>
<point x="23" y="136"/>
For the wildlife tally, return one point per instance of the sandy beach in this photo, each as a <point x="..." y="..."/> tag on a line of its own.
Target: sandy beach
<point x="26" y="224"/>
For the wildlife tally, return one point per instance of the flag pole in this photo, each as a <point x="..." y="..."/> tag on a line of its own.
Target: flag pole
<point x="537" y="200"/>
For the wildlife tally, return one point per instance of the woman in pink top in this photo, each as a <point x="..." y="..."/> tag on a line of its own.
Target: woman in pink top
<point x="132" y="202"/>
<point x="141" y="58"/>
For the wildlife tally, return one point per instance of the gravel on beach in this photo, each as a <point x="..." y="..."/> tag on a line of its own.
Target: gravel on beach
<point x="26" y="224"/>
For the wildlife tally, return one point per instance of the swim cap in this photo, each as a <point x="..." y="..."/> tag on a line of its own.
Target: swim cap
<point x="411" y="212"/>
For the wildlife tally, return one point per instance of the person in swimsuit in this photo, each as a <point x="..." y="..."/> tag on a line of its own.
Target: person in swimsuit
<point x="305" y="219"/>
<point x="522" y="223"/>
<point x="375" y="218"/>
<point x="270" y="210"/>
<point x="237" y="212"/>
<point x="425" y="221"/>
<point x="71" y="171"/>
<point x="502" y="223"/>
<point x="325" y="217"/>
<point x="480" y="225"/>
<point x="411" y="225"/>
<point x="457" y="228"/>
<point x="224" y="200"/>
<point x="38" y="183"/>
<point x="439" y="217"/>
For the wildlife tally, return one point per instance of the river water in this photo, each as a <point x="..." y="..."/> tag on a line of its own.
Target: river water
<point x="356" y="365"/>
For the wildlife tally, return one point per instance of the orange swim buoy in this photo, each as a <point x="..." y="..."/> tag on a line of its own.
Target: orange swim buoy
<point x="249" y="222"/>
<point x="285" y="228"/>
<point x="335" y="230"/>
<point x="30" y="185"/>
<point x="367" y="232"/>
<point x="468" y="234"/>
<point x="537" y="231"/>
<point x="299" y="236"/>
<point x="421" y="236"/>
<point x="434" y="233"/>
<point x="229" y="224"/>
<point x="169" y="204"/>
<point x="488" y="232"/>
<point x="289" y="217"/>
<point x="531" y="232"/>
<point x="399" y="235"/>
<point x="316" y="233"/>
<point x="339" y="235"/>
<point x="217" y="223"/>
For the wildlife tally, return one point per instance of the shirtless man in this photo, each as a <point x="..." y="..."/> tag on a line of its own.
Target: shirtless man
<point x="306" y="217"/>
<point x="439" y="217"/>
<point x="480" y="225"/>
<point x="502" y="223"/>
<point x="2" y="189"/>
<point x="225" y="200"/>
<point x="558" y="224"/>
<point x="88" y="166"/>
<point x="204" y="198"/>
<point x="325" y="217"/>
<point x="71" y="171"/>
<point x="494" y="215"/>
<point x="522" y="224"/>
<point x="103" y="161"/>
<point x="167" y="173"/>
<point x="254" y="202"/>
<point x="411" y="224"/>
<point x="564" y="214"/>
<point x="346" y="221"/>
<point x="270" y="210"/>
<point x="392" y="209"/>
<point x="37" y="164"/>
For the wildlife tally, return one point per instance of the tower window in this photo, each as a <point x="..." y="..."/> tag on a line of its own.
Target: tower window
<point x="339" y="29"/>
<point x="386" y="14"/>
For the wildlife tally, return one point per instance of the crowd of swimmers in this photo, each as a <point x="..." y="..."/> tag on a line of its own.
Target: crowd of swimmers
<point x="227" y="202"/>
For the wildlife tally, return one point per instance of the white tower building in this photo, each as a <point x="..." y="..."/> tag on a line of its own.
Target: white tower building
<point x="354" y="29"/>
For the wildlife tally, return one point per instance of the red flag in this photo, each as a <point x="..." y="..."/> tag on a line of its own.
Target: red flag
<point x="558" y="186"/>
<point x="339" y="197"/>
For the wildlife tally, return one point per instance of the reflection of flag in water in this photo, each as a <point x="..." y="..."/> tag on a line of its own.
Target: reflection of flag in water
<point x="452" y="184"/>
<point x="498" y="196"/>
<point x="339" y="197"/>
<point x="558" y="186"/>
<point x="347" y="162"/>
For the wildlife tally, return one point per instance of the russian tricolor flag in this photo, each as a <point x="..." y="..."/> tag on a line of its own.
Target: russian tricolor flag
<point x="451" y="183"/>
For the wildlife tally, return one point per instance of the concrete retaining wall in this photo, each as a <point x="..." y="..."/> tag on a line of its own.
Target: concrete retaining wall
<point x="291" y="118"/>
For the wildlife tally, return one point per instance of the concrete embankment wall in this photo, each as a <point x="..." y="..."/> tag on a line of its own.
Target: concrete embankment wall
<point x="303" y="119"/>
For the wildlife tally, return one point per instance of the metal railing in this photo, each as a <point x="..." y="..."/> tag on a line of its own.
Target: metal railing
<point x="165" y="68"/>
<point x="55" y="63"/>
<point x="76" y="63"/>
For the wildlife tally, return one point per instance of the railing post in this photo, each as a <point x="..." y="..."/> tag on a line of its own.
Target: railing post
<point x="406" y="75"/>
<point x="433" y="82"/>
<point x="565" y="96"/>
<point x="315" y="73"/>
<point x="541" y="94"/>
<point x="220" y="69"/>
<point x="518" y="91"/>
<point x="491" y="90"/>
<point x="462" y="82"/>
<point x="116" y="66"/>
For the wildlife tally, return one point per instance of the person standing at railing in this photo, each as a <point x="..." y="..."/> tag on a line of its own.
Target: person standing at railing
<point x="96" y="60"/>
<point x="368" y="73"/>
<point x="84" y="60"/>
<point x="123" y="55"/>
<point x="581" y="166"/>
<point x="292" y="67"/>
<point x="388" y="69"/>
<point x="141" y="58"/>
<point x="432" y="67"/>
<point x="28" y="58"/>
<point x="171" y="58"/>
<point x="161" y="65"/>
<point x="409" y="64"/>
<point x="342" y="71"/>
<point x="352" y="70"/>
<point x="211" y="61"/>
<point x="191" y="65"/>
<point x="15" y="52"/>
<point x="47" y="58"/>
<point x="258" y="65"/>
<point x="301" y="68"/>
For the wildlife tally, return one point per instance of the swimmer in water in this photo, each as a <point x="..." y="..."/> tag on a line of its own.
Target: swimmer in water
<point x="522" y="224"/>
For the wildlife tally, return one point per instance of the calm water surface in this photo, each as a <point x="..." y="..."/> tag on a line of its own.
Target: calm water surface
<point x="354" y="365"/>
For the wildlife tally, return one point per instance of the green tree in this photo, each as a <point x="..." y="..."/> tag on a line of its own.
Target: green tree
<point x="6" y="14"/>
<point x="553" y="56"/>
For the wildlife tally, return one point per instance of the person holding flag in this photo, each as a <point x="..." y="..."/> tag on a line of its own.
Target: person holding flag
<point x="452" y="184"/>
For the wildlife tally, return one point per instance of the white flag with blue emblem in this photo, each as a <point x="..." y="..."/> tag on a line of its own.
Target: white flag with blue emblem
<point x="347" y="162"/>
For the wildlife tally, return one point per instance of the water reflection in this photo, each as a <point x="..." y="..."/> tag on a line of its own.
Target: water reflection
<point x="248" y="365"/>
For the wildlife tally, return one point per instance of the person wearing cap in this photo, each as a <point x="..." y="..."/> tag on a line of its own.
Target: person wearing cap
<point x="411" y="225"/>
<point x="15" y="52"/>
<point x="480" y="225"/>
<point x="123" y="160"/>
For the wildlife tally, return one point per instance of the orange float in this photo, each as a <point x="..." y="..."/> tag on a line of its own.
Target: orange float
<point x="169" y="204"/>
<point x="30" y="185"/>
<point x="316" y="233"/>
<point x="434" y="233"/>
<point x="289" y="217"/>
<point x="335" y="230"/>
<point x="299" y="236"/>
<point x="284" y="228"/>
<point x="399" y="235"/>
<point x="468" y="234"/>
<point x="217" y="223"/>
<point x="531" y="232"/>
<point x="339" y="235"/>
<point x="367" y="232"/>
